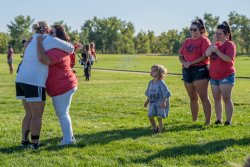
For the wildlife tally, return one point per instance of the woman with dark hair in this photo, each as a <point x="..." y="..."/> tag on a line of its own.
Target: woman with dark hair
<point x="86" y="53"/>
<point x="9" y="58"/>
<point x="195" y="69"/>
<point x="61" y="83"/>
<point x="222" y="54"/>
<point x="30" y="83"/>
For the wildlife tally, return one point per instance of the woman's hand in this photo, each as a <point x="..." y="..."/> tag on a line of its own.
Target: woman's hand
<point x="146" y="103"/>
<point x="40" y="38"/>
<point x="186" y="64"/>
<point x="214" y="48"/>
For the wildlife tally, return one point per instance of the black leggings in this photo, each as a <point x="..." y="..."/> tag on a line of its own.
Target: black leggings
<point x="87" y="70"/>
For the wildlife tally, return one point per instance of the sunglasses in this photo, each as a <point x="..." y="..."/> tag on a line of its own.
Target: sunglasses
<point x="193" y="29"/>
<point x="218" y="34"/>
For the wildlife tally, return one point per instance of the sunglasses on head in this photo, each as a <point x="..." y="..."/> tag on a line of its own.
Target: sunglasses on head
<point x="193" y="29"/>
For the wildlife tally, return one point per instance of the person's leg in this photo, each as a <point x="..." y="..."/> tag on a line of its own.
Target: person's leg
<point x="11" y="68"/>
<point x="86" y="73"/>
<point x="90" y="66"/>
<point x="193" y="96"/>
<point x="160" y="122"/>
<point x="62" y="104"/>
<point x="217" y="102"/>
<point x="201" y="86"/>
<point x="37" y="109"/>
<point x="26" y="122"/>
<point x="226" y="92"/>
<point x="153" y="123"/>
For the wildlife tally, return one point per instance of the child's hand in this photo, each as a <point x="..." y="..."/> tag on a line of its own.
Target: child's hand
<point x="163" y="104"/>
<point x="146" y="104"/>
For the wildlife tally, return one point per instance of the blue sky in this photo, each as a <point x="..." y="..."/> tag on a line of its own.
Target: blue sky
<point x="156" y="15"/>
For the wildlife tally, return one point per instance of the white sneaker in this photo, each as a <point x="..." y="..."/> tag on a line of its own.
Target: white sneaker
<point x="63" y="142"/>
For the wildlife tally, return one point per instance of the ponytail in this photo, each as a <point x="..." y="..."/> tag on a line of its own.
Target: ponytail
<point x="226" y="29"/>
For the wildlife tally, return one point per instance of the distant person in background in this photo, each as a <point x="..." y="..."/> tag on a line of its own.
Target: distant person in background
<point x="195" y="69"/>
<point x="73" y="55"/>
<point x="61" y="83"/>
<point x="93" y="53"/>
<point x="9" y="58"/>
<point x="157" y="97"/>
<point x="222" y="54"/>
<point x="24" y="45"/>
<point x="30" y="83"/>
<point x="86" y="61"/>
<point x="247" y="162"/>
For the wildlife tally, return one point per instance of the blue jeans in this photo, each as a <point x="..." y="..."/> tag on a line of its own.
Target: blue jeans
<point x="228" y="80"/>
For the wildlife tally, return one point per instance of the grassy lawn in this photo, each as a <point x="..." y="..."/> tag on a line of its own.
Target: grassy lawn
<point x="143" y="63"/>
<point x="112" y="128"/>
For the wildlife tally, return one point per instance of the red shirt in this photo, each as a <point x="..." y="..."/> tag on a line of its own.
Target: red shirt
<point x="10" y="53"/>
<point x="61" y="78"/>
<point x="219" y="68"/>
<point x="193" y="48"/>
<point x="93" y="52"/>
<point x="72" y="59"/>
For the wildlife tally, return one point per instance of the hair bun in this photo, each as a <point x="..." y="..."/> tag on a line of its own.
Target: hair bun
<point x="35" y="27"/>
<point x="225" y="23"/>
<point x="200" y="21"/>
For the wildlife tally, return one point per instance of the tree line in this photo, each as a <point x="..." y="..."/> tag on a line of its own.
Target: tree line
<point x="115" y="36"/>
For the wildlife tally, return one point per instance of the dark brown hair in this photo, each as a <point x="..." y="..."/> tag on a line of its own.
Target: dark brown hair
<point x="40" y="27"/>
<point x="200" y="25"/>
<point x="87" y="47"/>
<point x="224" y="26"/>
<point x="61" y="33"/>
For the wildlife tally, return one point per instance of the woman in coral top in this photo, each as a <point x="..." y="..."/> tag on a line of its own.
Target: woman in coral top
<point x="222" y="54"/>
<point x="61" y="83"/>
<point x="195" y="69"/>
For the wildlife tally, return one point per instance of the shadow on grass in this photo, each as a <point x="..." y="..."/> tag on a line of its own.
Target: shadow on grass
<point x="106" y="137"/>
<point x="197" y="149"/>
<point x="103" y="137"/>
<point x="83" y="140"/>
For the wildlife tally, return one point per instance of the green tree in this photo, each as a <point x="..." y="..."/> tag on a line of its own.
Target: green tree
<point x="169" y="42"/>
<point x="4" y="41"/>
<point x="19" y="29"/>
<point x="125" y="44"/>
<point x="211" y="22"/>
<point x="240" y="26"/>
<point x="111" y="35"/>
<point x="153" y="42"/>
<point x="142" y="42"/>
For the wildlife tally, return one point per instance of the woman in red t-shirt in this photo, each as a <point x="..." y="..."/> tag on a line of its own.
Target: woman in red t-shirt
<point x="222" y="54"/>
<point x="61" y="83"/>
<point x="195" y="69"/>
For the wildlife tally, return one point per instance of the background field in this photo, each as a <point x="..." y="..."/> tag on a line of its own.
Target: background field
<point x="111" y="125"/>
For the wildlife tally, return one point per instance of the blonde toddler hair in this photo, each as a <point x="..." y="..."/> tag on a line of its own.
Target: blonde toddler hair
<point x="161" y="70"/>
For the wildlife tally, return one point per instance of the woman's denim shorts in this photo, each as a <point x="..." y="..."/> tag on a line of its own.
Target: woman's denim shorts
<point x="228" y="80"/>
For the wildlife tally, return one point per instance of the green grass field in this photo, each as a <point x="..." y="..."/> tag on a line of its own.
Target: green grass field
<point x="112" y="128"/>
<point x="143" y="63"/>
